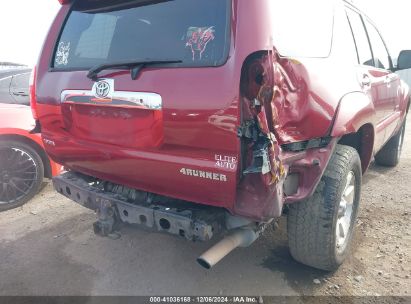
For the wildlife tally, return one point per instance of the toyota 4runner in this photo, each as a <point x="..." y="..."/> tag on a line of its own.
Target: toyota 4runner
<point x="216" y="117"/>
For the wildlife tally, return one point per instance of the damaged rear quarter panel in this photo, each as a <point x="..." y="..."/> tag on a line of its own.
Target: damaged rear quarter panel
<point x="287" y="109"/>
<point x="300" y="98"/>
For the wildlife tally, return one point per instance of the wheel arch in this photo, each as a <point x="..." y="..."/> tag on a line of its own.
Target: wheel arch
<point x="363" y="141"/>
<point x="48" y="172"/>
<point x="354" y="124"/>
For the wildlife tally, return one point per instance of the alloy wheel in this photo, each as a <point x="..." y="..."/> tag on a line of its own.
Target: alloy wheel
<point x="345" y="211"/>
<point x="18" y="174"/>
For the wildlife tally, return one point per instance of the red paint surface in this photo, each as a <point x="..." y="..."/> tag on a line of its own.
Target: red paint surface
<point x="312" y="98"/>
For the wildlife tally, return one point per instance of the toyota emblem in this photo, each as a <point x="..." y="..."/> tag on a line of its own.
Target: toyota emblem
<point x="102" y="89"/>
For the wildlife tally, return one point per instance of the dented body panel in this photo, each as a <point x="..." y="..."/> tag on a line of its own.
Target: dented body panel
<point x="225" y="136"/>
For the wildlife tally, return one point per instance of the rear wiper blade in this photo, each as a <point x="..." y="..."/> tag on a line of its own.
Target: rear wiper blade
<point x="135" y="66"/>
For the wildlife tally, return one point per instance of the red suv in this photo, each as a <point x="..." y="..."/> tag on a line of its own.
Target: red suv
<point x="218" y="116"/>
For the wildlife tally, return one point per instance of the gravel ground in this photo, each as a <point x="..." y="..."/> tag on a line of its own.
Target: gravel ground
<point x="47" y="247"/>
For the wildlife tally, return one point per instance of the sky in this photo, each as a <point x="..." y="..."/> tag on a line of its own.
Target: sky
<point x="24" y="25"/>
<point x="392" y="19"/>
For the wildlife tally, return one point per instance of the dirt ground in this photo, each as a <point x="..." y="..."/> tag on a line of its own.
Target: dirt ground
<point x="47" y="247"/>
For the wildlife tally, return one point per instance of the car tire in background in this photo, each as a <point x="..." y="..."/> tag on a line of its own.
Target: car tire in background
<point x="21" y="173"/>
<point x="390" y="154"/>
<point x="320" y="228"/>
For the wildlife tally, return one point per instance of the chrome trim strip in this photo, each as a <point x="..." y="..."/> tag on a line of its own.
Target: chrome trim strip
<point x="148" y="101"/>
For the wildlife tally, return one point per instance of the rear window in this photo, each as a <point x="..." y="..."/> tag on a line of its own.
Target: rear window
<point x="303" y="28"/>
<point x="99" y="32"/>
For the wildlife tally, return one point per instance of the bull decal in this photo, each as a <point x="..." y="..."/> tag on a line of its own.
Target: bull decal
<point x="198" y="39"/>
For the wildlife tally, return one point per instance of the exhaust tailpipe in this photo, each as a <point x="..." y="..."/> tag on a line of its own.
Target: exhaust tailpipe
<point x="242" y="237"/>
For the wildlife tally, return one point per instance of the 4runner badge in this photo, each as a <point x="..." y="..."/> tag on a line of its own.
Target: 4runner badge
<point x="104" y="88"/>
<point x="204" y="175"/>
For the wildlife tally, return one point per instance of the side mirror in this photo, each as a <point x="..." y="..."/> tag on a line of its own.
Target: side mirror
<point x="404" y="60"/>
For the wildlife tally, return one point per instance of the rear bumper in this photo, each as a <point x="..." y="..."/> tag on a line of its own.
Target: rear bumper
<point x="178" y="172"/>
<point x="195" y="224"/>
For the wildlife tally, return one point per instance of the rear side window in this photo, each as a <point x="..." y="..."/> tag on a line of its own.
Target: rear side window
<point x="105" y="31"/>
<point x="381" y="56"/>
<point x="360" y="38"/>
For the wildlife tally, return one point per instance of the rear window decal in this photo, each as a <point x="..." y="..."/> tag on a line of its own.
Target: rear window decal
<point x="197" y="40"/>
<point x="63" y="53"/>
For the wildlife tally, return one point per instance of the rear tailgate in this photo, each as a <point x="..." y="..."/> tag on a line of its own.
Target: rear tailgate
<point x="172" y="131"/>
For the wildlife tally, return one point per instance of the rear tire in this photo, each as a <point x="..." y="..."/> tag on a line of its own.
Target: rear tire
<point x="390" y="154"/>
<point x="320" y="228"/>
<point x="21" y="174"/>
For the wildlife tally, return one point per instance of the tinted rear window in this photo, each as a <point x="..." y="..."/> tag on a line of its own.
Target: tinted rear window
<point x="97" y="32"/>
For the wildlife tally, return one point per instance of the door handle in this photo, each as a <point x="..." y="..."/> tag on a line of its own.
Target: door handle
<point x="24" y="94"/>
<point x="365" y="81"/>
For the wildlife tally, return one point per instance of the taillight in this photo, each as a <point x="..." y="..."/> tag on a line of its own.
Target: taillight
<point x="64" y="1"/>
<point x="33" y="99"/>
